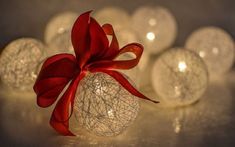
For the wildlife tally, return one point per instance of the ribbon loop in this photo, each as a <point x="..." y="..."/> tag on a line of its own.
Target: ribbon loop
<point x="81" y="39"/>
<point x="99" y="41"/>
<point x="135" y="48"/>
<point x="114" y="47"/>
<point x="52" y="80"/>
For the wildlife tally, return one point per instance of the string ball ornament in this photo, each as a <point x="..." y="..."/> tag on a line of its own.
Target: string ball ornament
<point x="19" y="63"/>
<point x="215" y="46"/>
<point x="103" y="106"/>
<point x="156" y="27"/>
<point x="126" y="35"/>
<point x="179" y="77"/>
<point x="119" y="18"/>
<point x="65" y="74"/>
<point x="58" y="33"/>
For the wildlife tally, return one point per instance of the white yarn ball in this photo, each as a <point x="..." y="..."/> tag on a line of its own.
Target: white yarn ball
<point x="179" y="77"/>
<point x="19" y="62"/>
<point x="215" y="46"/>
<point x="103" y="106"/>
<point x="58" y="33"/>
<point x="120" y="20"/>
<point x="156" y="27"/>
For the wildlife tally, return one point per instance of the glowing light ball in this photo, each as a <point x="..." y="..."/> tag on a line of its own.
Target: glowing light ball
<point x="156" y="27"/>
<point x="19" y="61"/>
<point x="126" y="36"/>
<point x="179" y="77"/>
<point x="103" y="106"/>
<point x="113" y="15"/>
<point x="215" y="46"/>
<point x="58" y="33"/>
<point x="121" y="23"/>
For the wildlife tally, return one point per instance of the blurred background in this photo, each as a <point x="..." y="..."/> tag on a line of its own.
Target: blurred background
<point x="209" y="122"/>
<point x="27" y="18"/>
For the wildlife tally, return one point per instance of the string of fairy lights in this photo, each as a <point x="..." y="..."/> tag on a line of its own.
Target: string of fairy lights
<point x="179" y="75"/>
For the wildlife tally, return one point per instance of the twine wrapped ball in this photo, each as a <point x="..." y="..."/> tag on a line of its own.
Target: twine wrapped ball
<point x="19" y="63"/>
<point x="179" y="77"/>
<point x="103" y="106"/>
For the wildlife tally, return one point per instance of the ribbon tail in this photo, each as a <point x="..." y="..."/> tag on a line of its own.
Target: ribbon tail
<point x="126" y="84"/>
<point x="60" y="116"/>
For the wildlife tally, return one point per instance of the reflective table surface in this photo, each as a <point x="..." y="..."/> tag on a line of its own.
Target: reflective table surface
<point x="208" y="122"/>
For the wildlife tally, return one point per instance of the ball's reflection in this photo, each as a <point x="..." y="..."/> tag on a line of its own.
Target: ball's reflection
<point x="210" y="114"/>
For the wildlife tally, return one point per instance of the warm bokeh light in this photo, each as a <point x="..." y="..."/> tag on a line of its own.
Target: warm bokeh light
<point x="58" y="33"/>
<point x="182" y="66"/>
<point x="19" y="62"/>
<point x="156" y="27"/>
<point x="179" y="77"/>
<point x="215" y="46"/>
<point x="150" y="36"/>
<point x="120" y="21"/>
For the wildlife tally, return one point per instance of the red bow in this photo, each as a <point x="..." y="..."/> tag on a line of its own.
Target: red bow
<point x="93" y="54"/>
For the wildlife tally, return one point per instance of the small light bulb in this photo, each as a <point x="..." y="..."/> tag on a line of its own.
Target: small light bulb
<point x="110" y="113"/>
<point x="202" y="54"/>
<point x="182" y="66"/>
<point x="152" y="22"/>
<point x="215" y="50"/>
<point x="150" y="36"/>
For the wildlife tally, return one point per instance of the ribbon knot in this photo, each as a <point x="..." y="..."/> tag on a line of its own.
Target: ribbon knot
<point x="93" y="53"/>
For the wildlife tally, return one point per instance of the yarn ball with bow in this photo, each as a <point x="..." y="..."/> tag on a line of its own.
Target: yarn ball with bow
<point x="93" y="54"/>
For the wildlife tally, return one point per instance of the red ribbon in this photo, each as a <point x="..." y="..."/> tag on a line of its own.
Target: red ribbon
<point x="93" y="54"/>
